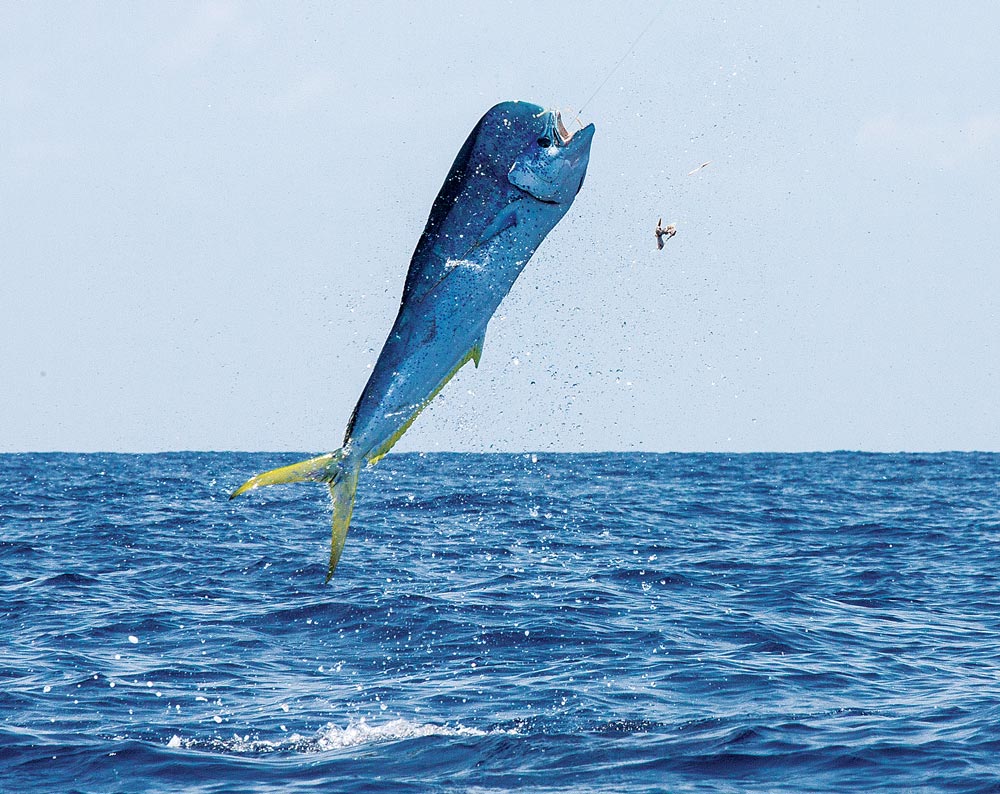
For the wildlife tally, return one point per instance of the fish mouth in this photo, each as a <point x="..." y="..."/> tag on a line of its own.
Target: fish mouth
<point x="565" y="136"/>
<point x="555" y="130"/>
<point x="561" y="136"/>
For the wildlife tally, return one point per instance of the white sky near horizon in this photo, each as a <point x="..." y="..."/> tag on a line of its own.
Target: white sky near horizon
<point x="208" y="209"/>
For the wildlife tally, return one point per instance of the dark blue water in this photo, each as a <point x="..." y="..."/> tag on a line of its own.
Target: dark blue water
<point x="584" y="623"/>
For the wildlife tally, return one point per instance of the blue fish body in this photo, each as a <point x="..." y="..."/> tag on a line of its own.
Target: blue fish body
<point x="513" y="180"/>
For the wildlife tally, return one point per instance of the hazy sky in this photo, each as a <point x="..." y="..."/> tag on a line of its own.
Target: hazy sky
<point x="207" y="210"/>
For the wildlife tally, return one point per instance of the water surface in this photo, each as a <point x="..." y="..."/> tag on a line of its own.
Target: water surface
<point x="549" y="623"/>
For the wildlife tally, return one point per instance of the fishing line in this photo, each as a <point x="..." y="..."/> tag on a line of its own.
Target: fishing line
<point x="622" y="59"/>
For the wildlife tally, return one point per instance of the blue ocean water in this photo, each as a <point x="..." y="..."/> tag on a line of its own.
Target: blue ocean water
<point x="549" y="623"/>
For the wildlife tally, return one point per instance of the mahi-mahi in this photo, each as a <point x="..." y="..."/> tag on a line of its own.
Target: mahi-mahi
<point x="513" y="180"/>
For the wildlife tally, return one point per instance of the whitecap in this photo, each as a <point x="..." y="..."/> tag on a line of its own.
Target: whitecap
<point x="332" y="737"/>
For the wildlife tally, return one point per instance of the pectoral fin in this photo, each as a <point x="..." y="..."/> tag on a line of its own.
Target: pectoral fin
<point x="506" y="218"/>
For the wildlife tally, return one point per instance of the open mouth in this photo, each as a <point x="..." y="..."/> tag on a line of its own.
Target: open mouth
<point x="559" y="131"/>
<point x="564" y="135"/>
<point x="555" y="131"/>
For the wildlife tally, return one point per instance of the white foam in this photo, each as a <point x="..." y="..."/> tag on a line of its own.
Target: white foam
<point x="332" y="737"/>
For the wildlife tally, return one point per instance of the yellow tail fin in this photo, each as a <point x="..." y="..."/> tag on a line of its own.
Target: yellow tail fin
<point x="327" y="468"/>
<point x="321" y="469"/>
<point x="342" y="490"/>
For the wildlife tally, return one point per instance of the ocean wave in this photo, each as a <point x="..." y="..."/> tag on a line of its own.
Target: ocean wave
<point x="587" y="623"/>
<point x="332" y="737"/>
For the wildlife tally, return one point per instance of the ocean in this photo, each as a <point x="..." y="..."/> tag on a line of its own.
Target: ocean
<point x="537" y="623"/>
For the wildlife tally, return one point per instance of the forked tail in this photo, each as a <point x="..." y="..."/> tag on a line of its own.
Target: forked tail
<point x="330" y="468"/>
<point x="342" y="490"/>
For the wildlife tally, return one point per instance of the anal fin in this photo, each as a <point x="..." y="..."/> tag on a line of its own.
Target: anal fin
<point x="477" y="350"/>
<point x="376" y="454"/>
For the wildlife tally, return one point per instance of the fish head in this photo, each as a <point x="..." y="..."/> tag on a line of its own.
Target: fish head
<point x="518" y="163"/>
<point x="548" y="162"/>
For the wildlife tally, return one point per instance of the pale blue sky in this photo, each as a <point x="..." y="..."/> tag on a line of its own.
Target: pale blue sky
<point x="208" y="210"/>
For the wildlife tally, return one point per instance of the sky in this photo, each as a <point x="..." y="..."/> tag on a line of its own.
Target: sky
<point x="208" y="209"/>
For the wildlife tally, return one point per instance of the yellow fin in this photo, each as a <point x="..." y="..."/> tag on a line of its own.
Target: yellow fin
<point x="342" y="490"/>
<point x="380" y="451"/>
<point x="477" y="350"/>
<point x="320" y="469"/>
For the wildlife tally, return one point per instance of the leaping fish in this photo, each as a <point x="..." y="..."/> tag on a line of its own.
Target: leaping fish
<point x="512" y="181"/>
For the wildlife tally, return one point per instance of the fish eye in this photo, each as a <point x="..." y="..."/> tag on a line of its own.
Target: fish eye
<point x="544" y="142"/>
